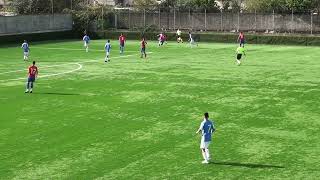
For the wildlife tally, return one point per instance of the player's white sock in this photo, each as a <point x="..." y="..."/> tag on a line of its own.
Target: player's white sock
<point x="204" y="155"/>
<point x="208" y="154"/>
<point x="87" y="49"/>
<point x="27" y="87"/>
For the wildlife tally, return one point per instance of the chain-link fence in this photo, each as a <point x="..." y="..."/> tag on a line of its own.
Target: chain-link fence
<point x="89" y="14"/>
<point x="201" y="20"/>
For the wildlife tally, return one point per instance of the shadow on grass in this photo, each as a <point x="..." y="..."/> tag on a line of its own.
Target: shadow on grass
<point x="247" y="165"/>
<point x="60" y="94"/>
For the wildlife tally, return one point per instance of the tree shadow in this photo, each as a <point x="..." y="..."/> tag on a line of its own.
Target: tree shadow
<point x="61" y="94"/>
<point x="247" y="165"/>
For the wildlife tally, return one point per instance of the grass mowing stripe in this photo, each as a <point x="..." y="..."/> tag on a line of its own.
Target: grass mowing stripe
<point x="135" y="118"/>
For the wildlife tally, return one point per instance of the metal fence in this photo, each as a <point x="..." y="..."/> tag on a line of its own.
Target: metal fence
<point x="171" y="19"/>
<point x="101" y="17"/>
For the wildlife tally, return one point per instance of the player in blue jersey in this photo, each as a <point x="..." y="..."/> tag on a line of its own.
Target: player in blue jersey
<point x="206" y="128"/>
<point x="25" y="47"/>
<point x="107" y="48"/>
<point x="86" y="40"/>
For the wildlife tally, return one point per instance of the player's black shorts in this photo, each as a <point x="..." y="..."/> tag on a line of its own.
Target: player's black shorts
<point x="239" y="56"/>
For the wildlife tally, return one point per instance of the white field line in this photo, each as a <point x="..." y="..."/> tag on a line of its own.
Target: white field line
<point x="72" y="49"/>
<point x="7" y="72"/>
<point x="66" y="72"/>
<point x="49" y="75"/>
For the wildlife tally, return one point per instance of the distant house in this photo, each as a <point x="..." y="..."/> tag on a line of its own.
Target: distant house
<point x="2" y="3"/>
<point x="113" y="2"/>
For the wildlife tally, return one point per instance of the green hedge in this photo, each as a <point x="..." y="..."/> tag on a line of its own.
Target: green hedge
<point x="223" y="38"/>
<point x="202" y="37"/>
<point x="32" y="37"/>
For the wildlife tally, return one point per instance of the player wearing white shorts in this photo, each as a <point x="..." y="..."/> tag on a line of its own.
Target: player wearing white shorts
<point x="206" y="128"/>
<point x="161" y="39"/>
<point x="107" y="48"/>
<point x="25" y="47"/>
<point x="191" y="40"/>
<point x="86" y="40"/>
<point x="179" y="38"/>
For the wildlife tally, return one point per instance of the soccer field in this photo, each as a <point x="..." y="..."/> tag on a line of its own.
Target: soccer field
<point x="136" y="118"/>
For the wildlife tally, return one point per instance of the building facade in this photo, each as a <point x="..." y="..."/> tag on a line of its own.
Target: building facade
<point x="114" y="2"/>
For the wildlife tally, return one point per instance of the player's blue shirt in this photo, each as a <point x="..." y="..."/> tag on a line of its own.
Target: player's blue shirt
<point x="25" y="47"/>
<point x="207" y="128"/>
<point x="86" y="38"/>
<point x="107" y="47"/>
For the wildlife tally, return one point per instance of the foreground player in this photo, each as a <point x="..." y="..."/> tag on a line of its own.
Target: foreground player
<point x="32" y="74"/>
<point x="107" y="47"/>
<point x="206" y="128"/>
<point x="86" y="40"/>
<point x="240" y="51"/>
<point x="25" y="47"/>
<point x="241" y="39"/>
<point x="143" y="48"/>
<point x="122" y="40"/>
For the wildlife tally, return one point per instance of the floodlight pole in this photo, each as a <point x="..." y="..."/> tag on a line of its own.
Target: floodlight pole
<point x="221" y="19"/>
<point x="238" y="28"/>
<point x="292" y="26"/>
<point x="159" y="17"/>
<point x="71" y="4"/>
<point x="115" y="20"/>
<point x="205" y="19"/>
<point x="129" y="18"/>
<point x="174" y="18"/>
<point x="189" y="15"/>
<point x="144" y="18"/>
<point x="255" y="21"/>
<point x="273" y="19"/>
<point x="102" y="13"/>
<point x="52" y="6"/>
<point x="311" y="25"/>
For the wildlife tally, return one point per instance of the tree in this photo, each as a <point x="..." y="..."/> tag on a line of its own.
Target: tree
<point x="145" y="3"/>
<point x="38" y="6"/>
<point x="282" y="5"/>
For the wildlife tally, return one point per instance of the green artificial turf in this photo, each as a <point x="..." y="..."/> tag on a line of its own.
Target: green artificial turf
<point x="136" y="118"/>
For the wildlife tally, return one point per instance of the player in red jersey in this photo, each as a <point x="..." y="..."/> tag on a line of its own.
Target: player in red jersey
<point x="241" y="39"/>
<point x="143" y="48"/>
<point x="122" y="40"/>
<point x="32" y="74"/>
